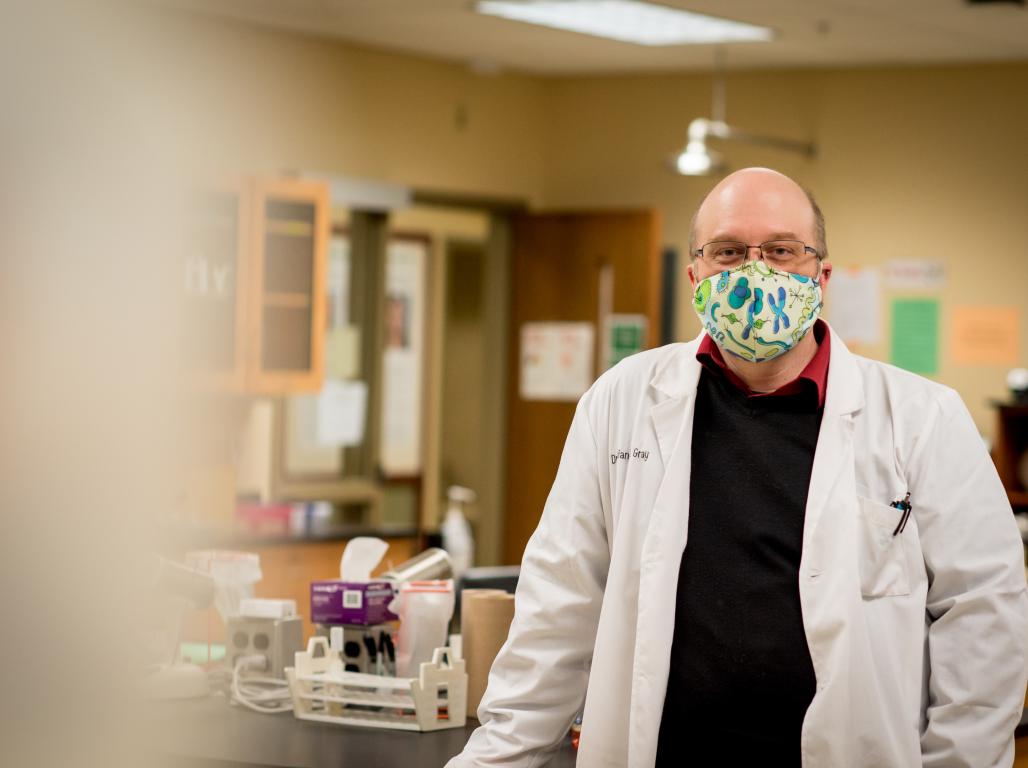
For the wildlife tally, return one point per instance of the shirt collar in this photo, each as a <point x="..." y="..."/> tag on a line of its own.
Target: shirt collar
<point x="813" y="378"/>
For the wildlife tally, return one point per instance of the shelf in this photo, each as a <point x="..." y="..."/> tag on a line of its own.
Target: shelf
<point x="289" y="227"/>
<point x="350" y="490"/>
<point x="287" y="300"/>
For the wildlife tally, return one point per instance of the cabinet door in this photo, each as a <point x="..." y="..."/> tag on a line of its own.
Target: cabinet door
<point x="291" y="222"/>
<point x="215" y="294"/>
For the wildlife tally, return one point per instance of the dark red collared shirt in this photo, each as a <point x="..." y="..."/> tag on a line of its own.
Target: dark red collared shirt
<point x="813" y="378"/>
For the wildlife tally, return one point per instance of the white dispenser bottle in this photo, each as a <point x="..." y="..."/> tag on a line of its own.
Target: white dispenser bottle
<point x="457" y="539"/>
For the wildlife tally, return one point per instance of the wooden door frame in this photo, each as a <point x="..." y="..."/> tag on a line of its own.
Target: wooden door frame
<point x="495" y="327"/>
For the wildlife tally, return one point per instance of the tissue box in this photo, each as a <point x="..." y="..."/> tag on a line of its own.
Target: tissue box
<point x="351" y="602"/>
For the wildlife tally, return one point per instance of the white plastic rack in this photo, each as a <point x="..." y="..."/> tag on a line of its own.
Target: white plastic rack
<point x="323" y="691"/>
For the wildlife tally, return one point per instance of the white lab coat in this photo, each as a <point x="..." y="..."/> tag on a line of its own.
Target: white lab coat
<point x="918" y="641"/>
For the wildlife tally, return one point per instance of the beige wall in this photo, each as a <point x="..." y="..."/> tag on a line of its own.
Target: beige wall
<point x="266" y="101"/>
<point x="913" y="163"/>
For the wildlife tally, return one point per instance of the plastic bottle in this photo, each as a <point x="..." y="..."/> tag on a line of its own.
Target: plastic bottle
<point x="425" y="609"/>
<point x="457" y="538"/>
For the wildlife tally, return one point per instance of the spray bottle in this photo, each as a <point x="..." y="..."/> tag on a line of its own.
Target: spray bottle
<point x="457" y="538"/>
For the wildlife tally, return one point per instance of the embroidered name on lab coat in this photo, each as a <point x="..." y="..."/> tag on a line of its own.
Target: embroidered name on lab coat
<point x="636" y="453"/>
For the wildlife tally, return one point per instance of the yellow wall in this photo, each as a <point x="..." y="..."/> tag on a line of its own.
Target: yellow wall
<point x="913" y="162"/>
<point x="266" y="101"/>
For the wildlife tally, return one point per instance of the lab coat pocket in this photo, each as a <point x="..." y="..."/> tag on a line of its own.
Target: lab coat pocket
<point x="883" y="562"/>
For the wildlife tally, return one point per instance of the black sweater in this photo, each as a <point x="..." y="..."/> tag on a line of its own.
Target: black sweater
<point x="741" y="678"/>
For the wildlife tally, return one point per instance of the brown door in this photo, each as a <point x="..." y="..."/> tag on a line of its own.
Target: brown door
<point x="567" y="267"/>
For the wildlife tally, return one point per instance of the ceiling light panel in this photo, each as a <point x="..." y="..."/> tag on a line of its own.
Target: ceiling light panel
<point x="629" y="21"/>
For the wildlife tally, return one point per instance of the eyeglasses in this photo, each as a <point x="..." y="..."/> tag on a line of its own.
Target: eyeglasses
<point x="789" y="255"/>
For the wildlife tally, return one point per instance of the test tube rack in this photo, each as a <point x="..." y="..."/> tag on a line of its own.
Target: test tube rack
<point x="324" y="691"/>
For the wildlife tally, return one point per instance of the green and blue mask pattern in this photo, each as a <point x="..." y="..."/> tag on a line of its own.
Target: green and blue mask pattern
<point x="756" y="312"/>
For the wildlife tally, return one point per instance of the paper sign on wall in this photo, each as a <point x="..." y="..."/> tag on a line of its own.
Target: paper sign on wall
<point x="303" y="454"/>
<point x="556" y="360"/>
<point x="341" y="411"/>
<point x="403" y="357"/>
<point x="915" y="275"/>
<point x="986" y="335"/>
<point x="854" y="305"/>
<point x="915" y="335"/>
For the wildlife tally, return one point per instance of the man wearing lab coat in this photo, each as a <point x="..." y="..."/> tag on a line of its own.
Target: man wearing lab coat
<point x="761" y="546"/>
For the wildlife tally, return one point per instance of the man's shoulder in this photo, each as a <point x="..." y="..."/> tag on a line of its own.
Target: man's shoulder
<point x="639" y="370"/>
<point x="908" y="392"/>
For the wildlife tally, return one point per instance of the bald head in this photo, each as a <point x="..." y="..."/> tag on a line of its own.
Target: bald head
<point x="758" y="204"/>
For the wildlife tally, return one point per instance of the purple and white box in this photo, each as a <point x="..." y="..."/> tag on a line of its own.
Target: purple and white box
<point x="334" y="601"/>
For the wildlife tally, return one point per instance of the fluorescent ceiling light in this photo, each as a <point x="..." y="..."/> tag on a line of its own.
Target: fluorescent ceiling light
<point x="630" y="21"/>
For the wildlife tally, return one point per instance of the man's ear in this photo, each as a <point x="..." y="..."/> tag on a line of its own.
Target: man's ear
<point x="691" y="272"/>
<point x="826" y="273"/>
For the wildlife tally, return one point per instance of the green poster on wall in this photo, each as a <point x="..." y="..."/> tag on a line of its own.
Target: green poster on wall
<point x="915" y="335"/>
<point x="626" y="335"/>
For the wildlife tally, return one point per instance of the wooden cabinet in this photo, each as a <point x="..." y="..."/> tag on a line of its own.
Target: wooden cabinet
<point x="253" y="315"/>
<point x="291" y="226"/>
<point x="1010" y="452"/>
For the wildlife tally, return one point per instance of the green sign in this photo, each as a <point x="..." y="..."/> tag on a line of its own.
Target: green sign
<point x="915" y="335"/>
<point x="626" y="335"/>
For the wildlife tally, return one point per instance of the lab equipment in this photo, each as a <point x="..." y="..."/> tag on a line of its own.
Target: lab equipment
<point x="263" y="640"/>
<point x="503" y="577"/>
<point x="234" y="574"/>
<point x="269" y="629"/>
<point x="177" y="589"/>
<point x="433" y="563"/>
<point x="486" y="616"/>
<point x="425" y="609"/>
<point x="456" y="530"/>
<point x="369" y="650"/>
<point x="432" y="700"/>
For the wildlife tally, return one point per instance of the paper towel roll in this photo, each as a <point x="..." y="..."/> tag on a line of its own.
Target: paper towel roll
<point x="485" y="617"/>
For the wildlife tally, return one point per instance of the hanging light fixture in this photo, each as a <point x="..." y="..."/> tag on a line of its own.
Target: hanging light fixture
<point x="698" y="159"/>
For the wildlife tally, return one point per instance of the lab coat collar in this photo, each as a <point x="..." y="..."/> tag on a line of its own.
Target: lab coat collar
<point x="845" y="385"/>
<point x="832" y="472"/>
<point x="676" y="381"/>
<point x="680" y="374"/>
<point x="677" y="378"/>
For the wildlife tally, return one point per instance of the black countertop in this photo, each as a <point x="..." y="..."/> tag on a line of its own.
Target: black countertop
<point x="209" y="733"/>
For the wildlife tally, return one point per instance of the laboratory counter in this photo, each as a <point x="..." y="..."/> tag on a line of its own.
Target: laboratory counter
<point x="209" y="733"/>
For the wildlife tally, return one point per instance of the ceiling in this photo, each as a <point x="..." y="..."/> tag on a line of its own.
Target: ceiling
<point x="810" y="33"/>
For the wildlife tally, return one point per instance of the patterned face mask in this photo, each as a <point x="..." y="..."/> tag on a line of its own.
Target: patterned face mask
<point x="756" y="312"/>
